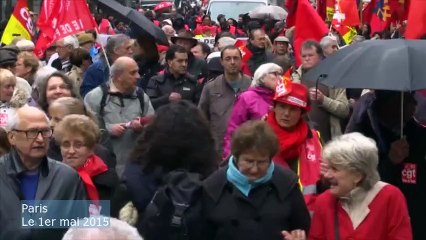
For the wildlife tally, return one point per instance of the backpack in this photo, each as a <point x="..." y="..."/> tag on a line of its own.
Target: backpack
<point x="174" y="207"/>
<point x="105" y="92"/>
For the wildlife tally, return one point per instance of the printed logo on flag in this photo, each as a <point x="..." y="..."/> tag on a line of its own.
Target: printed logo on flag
<point x="3" y="119"/>
<point x="409" y="173"/>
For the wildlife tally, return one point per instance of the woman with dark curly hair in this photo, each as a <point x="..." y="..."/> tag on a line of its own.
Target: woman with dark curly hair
<point x="177" y="138"/>
<point x="55" y="86"/>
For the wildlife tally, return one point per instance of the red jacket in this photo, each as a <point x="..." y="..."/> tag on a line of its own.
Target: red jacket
<point x="388" y="218"/>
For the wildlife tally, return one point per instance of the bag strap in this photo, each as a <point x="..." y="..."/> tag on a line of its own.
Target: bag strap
<point x="104" y="87"/>
<point x="141" y="96"/>
<point x="336" y="221"/>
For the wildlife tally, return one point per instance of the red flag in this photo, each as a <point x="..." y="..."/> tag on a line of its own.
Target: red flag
<point x="19" y="24"/>
<point x="284" y="85"/>
<point x="245" y="52"/>
<point x="291" y="6"/>
<point x="382" y="16"/>
<point x="61" y="18"/>
<point x="309" y="25"/>
<point x="330" y="4"/>
<point x="367" y="11"/>
<point x="346" y="15"/>
<point x="322" y="8"/>
<point x="416" y="24"/>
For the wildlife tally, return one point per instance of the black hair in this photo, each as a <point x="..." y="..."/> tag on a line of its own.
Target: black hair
<point x="171" y="52"/>
<point x="230" y="47"/>
<point x="205" y="48"/>
<point x="178" y="137"/>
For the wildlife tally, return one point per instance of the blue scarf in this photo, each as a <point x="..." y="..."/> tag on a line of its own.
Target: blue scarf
<point x="241" y="182"/>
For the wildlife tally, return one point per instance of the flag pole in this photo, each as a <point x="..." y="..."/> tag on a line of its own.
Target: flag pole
<point x="103" y="50"/>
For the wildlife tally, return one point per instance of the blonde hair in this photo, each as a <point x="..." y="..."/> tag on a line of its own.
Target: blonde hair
<point x="6" y="76"/>
<point x="78" y="125"/>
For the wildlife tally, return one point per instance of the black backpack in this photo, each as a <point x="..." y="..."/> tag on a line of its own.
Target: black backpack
<point x="105" y="92"/>
<point x="174" y="207"/>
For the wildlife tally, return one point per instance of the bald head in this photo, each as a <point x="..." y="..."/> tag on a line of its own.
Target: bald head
<point x="125" y="73"/>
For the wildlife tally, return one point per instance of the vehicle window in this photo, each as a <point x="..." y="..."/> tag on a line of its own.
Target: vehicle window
<point x="232" y="9"/>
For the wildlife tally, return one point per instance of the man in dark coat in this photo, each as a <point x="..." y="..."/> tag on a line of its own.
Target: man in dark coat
<point x="197" y="67"/>
<point x="257" y="47"/>
<point x="27" y="174"/>
<point x="175" y="83"/>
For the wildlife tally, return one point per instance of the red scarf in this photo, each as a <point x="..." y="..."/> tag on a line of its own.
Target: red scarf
<point x="289" y="141"/>
<point x="92" y="167"/>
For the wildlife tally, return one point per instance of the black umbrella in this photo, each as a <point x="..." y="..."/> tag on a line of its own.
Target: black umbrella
<point x="398" y="65"/>
<point x="138" y="23"/>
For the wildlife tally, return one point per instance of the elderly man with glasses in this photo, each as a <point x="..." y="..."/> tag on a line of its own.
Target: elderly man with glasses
<point x="27" y="174"/>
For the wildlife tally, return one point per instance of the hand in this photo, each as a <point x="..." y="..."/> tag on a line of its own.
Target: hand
<point x="175" y="97"/>
<point x="399" y="151"/>
<point x="316" y="94"/>
<point x="294" y="235"/>
<point x="324" y="168"/>
<point x="118" y="130"/>
<point x="136" y="125"/>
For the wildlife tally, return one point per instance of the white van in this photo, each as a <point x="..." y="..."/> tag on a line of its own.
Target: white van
<point x="232" y="8"/>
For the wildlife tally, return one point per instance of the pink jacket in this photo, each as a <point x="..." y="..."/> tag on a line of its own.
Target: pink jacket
<point x="252" y="104"/>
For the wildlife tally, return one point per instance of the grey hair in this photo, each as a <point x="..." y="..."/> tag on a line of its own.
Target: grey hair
<point x="70" y="41"/>
<point x="117" y="68"/>
<point x="117" y="230"/>
<point x="356" y="153"/>
<point x="12" y="119"/>
<point x="262" y="71"/>
<point x="115" y="42"/>
<point x="327" y="40"/>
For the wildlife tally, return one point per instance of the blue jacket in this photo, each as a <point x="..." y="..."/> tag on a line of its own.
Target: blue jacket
<point x="96" y="74"/>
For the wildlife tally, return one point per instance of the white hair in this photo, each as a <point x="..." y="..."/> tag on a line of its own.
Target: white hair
<point x="25" y="45"/>
<point x="117" y="230"/>
<point x="70" y="40"/>
<point x="327" y="40"/>
<point x="224" y="42"/>
<point x="12" y="119"/>
<point x="262" y="71"/>
<point x="356" y="153"/>
<point x="114" y="42"/>
<point x="43" y="73"/>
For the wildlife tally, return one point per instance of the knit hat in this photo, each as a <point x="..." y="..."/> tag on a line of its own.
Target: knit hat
<point x="8" y="55"/>
<point x="297" y="95"/>
<point x="85" y="38"/>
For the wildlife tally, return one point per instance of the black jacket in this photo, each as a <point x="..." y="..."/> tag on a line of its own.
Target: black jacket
<point x="160" y="86"/>
<point x="273" y="207"/>
<point x="197" y="67"/>
<point x="57" y="181"/>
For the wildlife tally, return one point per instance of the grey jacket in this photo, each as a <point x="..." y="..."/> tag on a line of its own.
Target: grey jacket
<point x="216" y="102"/>
<point x="115" y="112"/>
<point x="57" y="181"/>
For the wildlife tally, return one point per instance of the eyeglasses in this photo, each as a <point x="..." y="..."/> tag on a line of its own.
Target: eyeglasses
<point x="76" y="145"/>
<point x="259" y="164"/>
<point x="33" y="133"/>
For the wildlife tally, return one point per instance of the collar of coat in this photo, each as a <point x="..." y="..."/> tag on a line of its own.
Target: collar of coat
<point x="283" y="180"/>
<point x="14" y="165"/>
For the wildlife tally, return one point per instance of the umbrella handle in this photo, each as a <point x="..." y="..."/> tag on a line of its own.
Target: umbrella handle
<point x="402" y="115"/>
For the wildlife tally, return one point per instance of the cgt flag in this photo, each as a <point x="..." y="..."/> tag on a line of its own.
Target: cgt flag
<point x="61" y="18"/>
<point x="20" y="24"/>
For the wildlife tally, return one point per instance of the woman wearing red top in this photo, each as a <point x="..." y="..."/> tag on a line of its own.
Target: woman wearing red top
<point x="300" y="147"/>
<point x="206" y="28"/>
<point x="77" y="136"/>
<point x="358" y="205"/>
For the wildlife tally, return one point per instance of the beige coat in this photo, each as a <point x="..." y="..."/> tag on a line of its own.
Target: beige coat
<point x="76" y="75"/>
<point x="336" y="104"/>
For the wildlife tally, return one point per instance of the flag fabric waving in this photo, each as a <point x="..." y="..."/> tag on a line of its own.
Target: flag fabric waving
<point x="309" y="25"/>
<point x="20" y="24"/>
<point x="284" y="85"/>
<point x="416" y="24"/>
<point x="345" y="18"/>
<point x="61" y="18"/>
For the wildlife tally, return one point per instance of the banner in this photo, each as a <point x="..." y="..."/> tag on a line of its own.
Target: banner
<point x="61" y="18"/>
<point x="20" y="24"/>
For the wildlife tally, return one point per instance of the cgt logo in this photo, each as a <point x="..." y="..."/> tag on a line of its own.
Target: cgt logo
<point x="409" y="173"/>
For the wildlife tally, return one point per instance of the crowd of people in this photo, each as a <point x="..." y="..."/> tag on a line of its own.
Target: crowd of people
<point x="189" y="141"/>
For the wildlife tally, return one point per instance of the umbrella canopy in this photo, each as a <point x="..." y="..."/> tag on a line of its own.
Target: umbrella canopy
<point x="163" y="5"/>
<point x="274" y="12"/>
<point x="398" y="65"/>
<point x="138" y="23"/>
